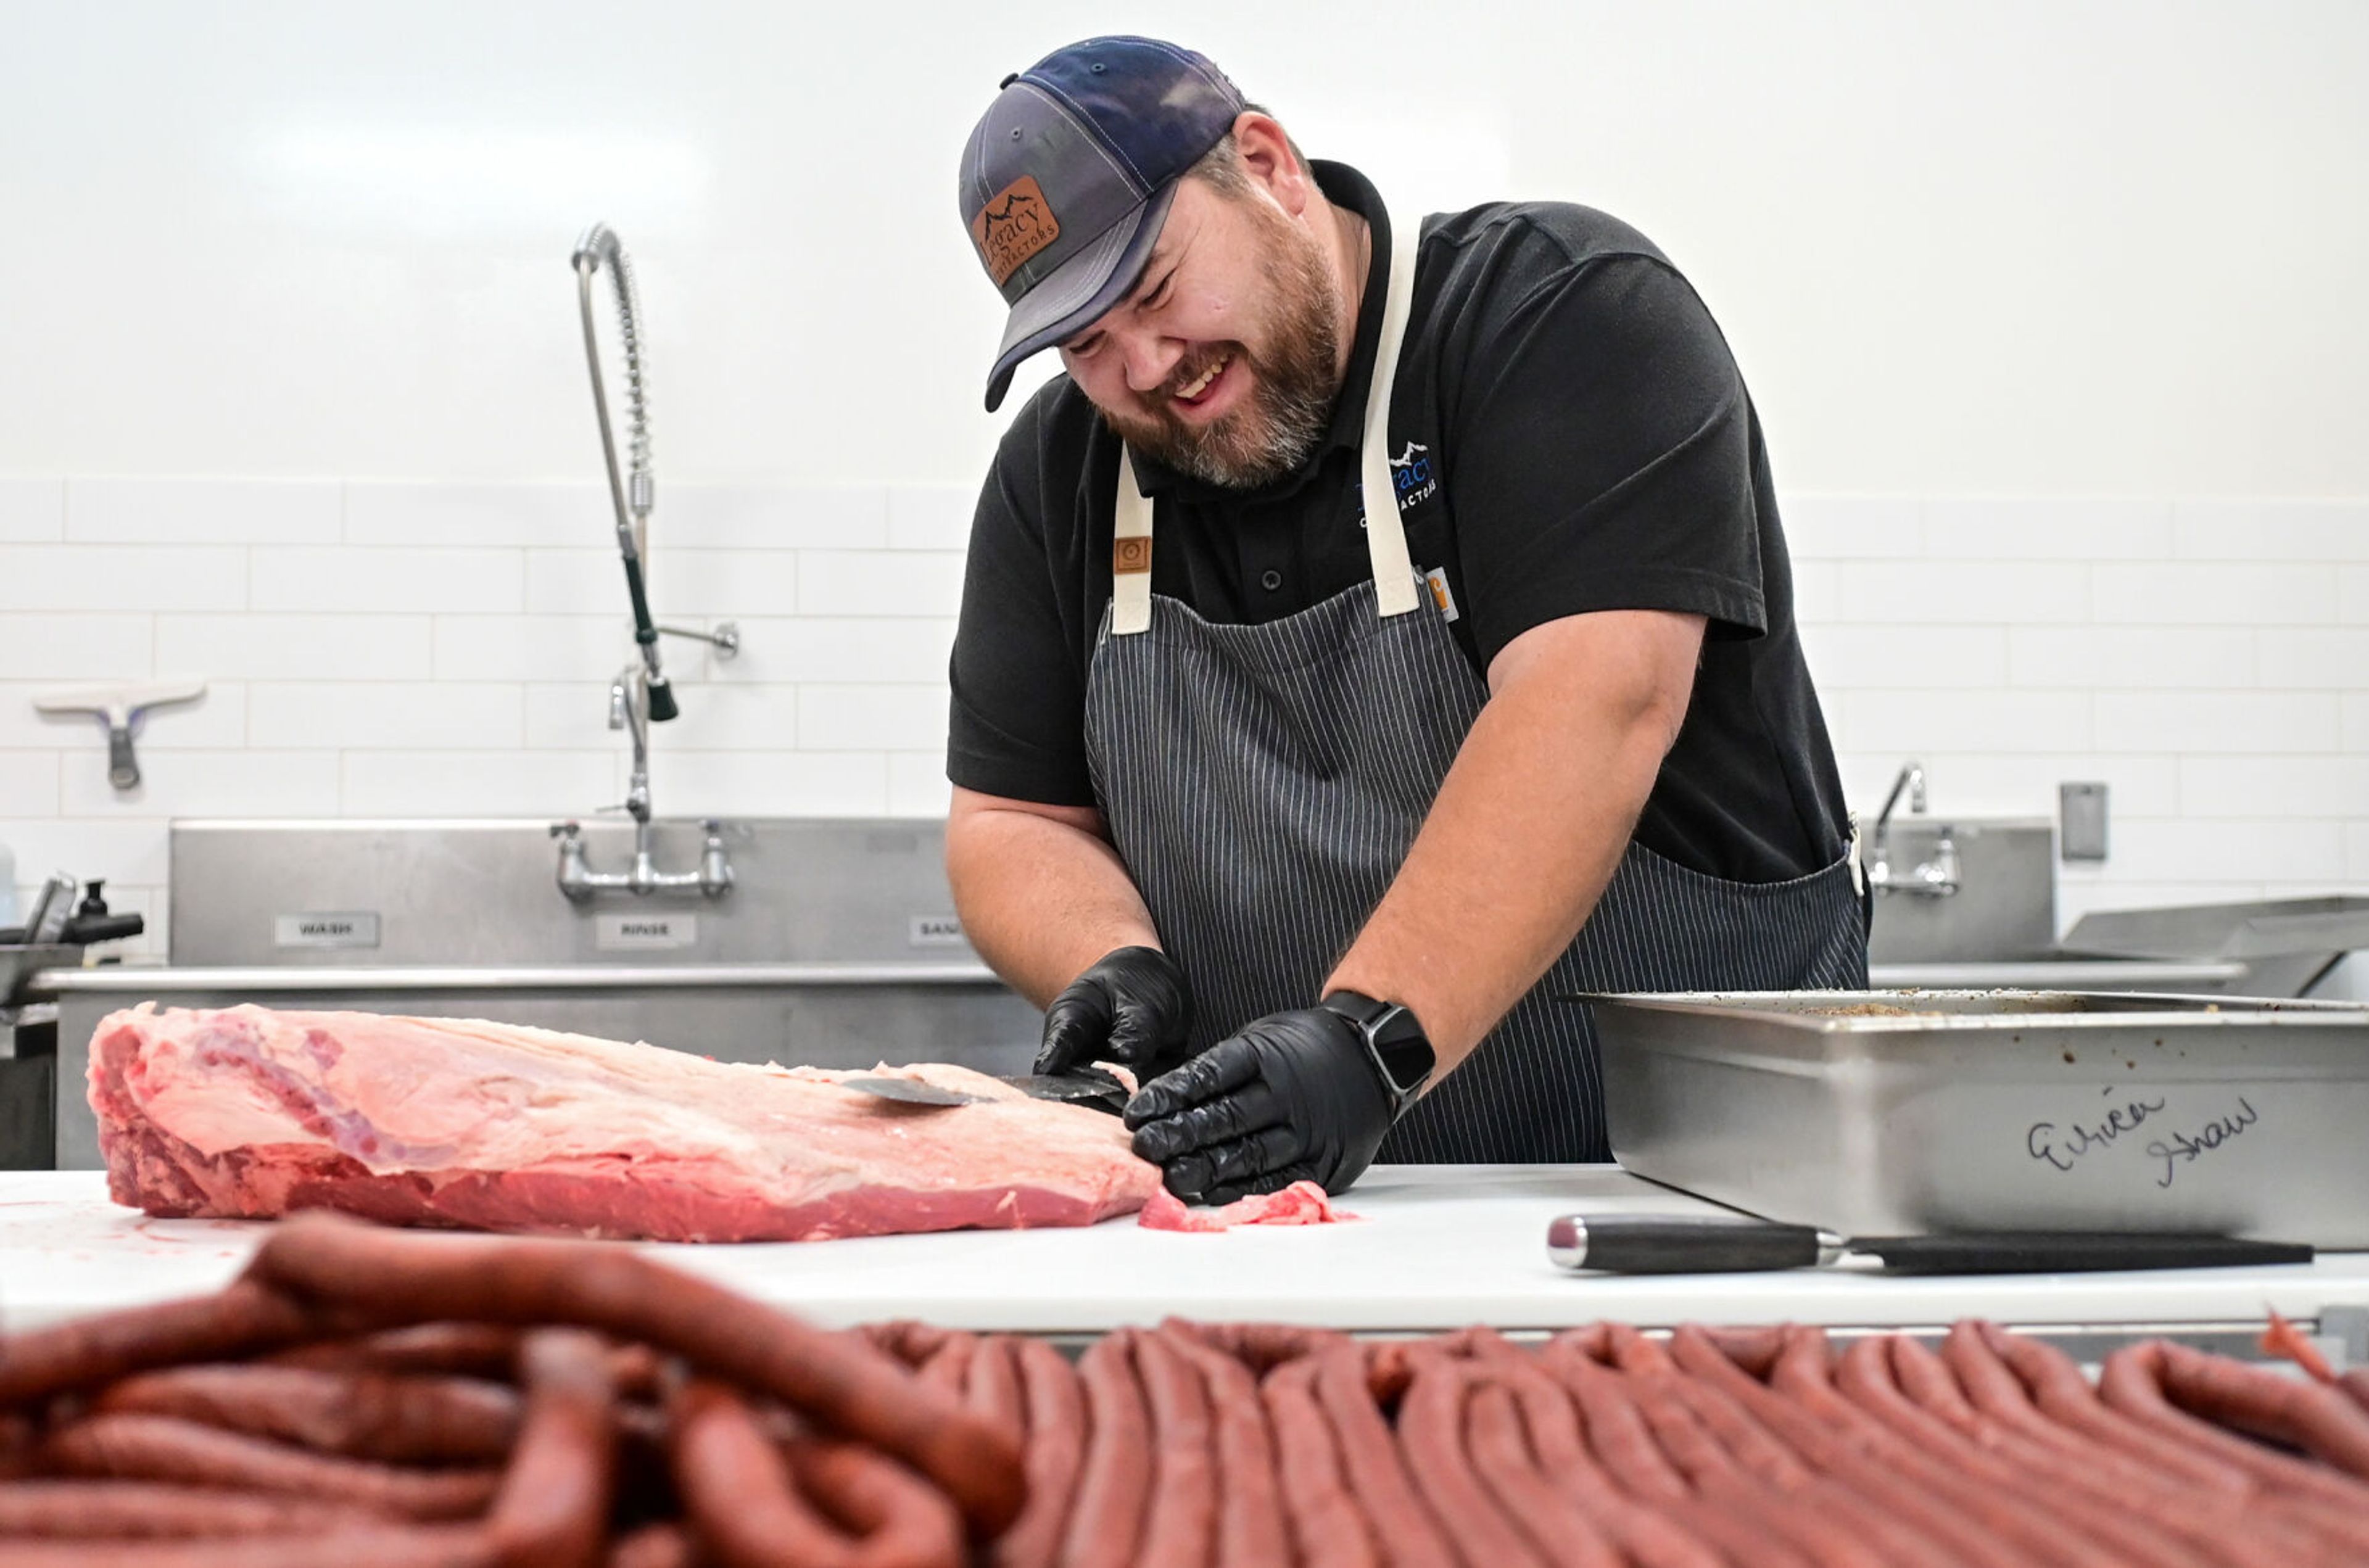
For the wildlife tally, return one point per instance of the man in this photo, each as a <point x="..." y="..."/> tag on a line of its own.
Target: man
<point x="1319" y="814"/>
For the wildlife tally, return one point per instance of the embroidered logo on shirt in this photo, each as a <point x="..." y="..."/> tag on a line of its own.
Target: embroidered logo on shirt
<point x="1016" y="222"/>
<point x="1411" y="473"/>
<point x="1412" y="476"/>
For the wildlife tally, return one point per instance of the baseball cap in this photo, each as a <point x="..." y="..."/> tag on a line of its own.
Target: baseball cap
<point x="1068" y="175"/>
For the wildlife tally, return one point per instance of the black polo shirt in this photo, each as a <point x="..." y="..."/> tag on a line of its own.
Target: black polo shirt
<point x="1569" y="434"/>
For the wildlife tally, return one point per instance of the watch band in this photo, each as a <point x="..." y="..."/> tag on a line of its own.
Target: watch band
<point x="1395" y="1043"/>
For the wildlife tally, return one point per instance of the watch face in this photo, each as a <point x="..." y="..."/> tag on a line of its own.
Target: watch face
<point x="1406" y="1057"/>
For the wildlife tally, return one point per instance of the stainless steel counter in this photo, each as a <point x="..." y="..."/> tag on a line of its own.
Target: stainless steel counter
<point x="1435" y="1247"/>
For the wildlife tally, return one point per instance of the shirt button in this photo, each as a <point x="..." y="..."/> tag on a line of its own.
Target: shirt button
<point x="1271" y="580"/>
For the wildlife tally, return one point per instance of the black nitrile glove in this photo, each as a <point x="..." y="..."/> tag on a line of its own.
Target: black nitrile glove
<point x="1130" y="1008"/>
<point x="1293" y="1096"/>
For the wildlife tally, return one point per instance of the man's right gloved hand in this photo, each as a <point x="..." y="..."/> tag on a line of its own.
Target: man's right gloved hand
<point x="1132" y="1007"/>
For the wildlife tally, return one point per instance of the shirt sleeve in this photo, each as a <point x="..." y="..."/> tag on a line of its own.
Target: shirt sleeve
<point x="1017" y="722"/>
<point x="1604" y="457"/>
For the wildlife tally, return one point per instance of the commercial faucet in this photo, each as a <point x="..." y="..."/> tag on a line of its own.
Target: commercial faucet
<point x="1936" y="878"/>
<point x="629" y="696"/>
<point x="640" y="695"/>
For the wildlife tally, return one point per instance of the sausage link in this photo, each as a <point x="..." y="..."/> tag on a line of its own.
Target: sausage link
<point x="362" y="1414"/>
<point x="835" y="1379"/>
<point x="2309" y="1417"/>
<point x="1324" y="1520"/>
<point x="243" y="1317"/>
<point x="992" y="1383"/>
<point x="1405" y="1531"/>
<point x="1181" y="1523"/>
<point x="2326" y="1500"/>
<point x="161" y="1447"/>
<point x="1997" y="1393"/>
<point x="379" y="1546"/>
<point x="2060" y="1392"/>
<point x="2211" y="1504"/>
<point x="19" y="1435"/>
<point x="1056" y="1411"/>
<point x="948" y="1367"/>
<point x="1929" y="1384"/>
<point x="736" y="1487"/>
<point x="1115" y="1480"/>
<point x="2057" y="1387"/>
<point x="1757" y="1449"/>
<point x="1617" y="1434"/>
<point x="899" y="1519"/>
<point x="552" y="1508"/>
<point x="130" y="1510"/>
<point x="907" y="1339"/>
<point x="469" y="1350"/>
<point x="661" y="1545"/>
<point x="1920" y="1493"/>
<point x="1589" y="1341"/>
<point x="2027" y="1506"/>
<point x="2077" y="1486"/>
<point x="1431" y="1436"/>
<point x="1265" y="1346"/>
<point x="1881" y="1474"/>
<point x="1580" y="1485"/>
<point x="1565" y="1537"/>
<point x="1250" y="1529"/>
<point x="1754" y="1349"/>
<point x="1824" y="1519"/>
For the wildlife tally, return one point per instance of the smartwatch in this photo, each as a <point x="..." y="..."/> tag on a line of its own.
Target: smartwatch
<point x="1394" y="1040"/>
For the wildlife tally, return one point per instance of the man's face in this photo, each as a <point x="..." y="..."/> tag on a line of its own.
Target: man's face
<point x="1222" y="363"/>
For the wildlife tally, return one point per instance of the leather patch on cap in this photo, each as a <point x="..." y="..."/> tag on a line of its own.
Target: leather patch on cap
<point x="1016" y="222"/>
<point x="1129" y="556"/>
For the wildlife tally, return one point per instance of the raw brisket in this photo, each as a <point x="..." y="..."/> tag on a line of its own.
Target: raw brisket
<point x="250" y="1113"/>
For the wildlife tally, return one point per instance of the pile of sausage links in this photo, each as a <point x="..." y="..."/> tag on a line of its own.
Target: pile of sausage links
<point x="363" y="1397"/>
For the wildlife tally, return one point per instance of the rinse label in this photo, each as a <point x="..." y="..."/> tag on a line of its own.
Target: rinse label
<point x="935" y="931"/>
<point x="333" y="928"/>
<point x="644" y="933"/>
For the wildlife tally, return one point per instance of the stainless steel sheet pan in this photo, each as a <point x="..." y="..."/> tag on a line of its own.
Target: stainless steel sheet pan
<point x="1915" y="1112"/>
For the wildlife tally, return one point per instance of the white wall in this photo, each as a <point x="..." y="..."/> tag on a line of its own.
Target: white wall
<point x="2055" y="313"/>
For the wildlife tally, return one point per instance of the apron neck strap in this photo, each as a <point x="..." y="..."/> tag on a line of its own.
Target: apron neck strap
<point x="1130" y="553"/>
<point x="1386" y="545"/>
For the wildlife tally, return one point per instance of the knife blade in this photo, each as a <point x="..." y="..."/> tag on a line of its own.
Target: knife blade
<point x="1682" y="1243"/>
<point x="1096" y="1091"/>
<point x="1085" y="1083"/>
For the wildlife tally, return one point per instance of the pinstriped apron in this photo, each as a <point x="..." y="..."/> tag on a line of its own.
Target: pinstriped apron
<point x="1263" y="784"/>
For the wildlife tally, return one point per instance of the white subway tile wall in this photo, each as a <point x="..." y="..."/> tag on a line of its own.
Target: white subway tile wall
<point x="416" y="649"/>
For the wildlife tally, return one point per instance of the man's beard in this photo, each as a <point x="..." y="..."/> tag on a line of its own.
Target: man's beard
<point x="1294" y="380"/>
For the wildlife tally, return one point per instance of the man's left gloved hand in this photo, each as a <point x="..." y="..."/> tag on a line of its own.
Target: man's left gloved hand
<point x="1293" y="1096"/>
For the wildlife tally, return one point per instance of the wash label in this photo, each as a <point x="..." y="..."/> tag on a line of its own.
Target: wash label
<point x="332" y="928"/>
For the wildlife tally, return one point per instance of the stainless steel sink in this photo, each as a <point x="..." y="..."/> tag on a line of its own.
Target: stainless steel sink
<point x="1996" y="928"/>
<point x="2003" y="907"/>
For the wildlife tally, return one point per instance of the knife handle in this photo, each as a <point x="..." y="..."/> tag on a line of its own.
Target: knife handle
<point x="1680" y="1243"/>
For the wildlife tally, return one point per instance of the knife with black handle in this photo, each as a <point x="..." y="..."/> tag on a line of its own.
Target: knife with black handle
<point x="1680" y="1243"/>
